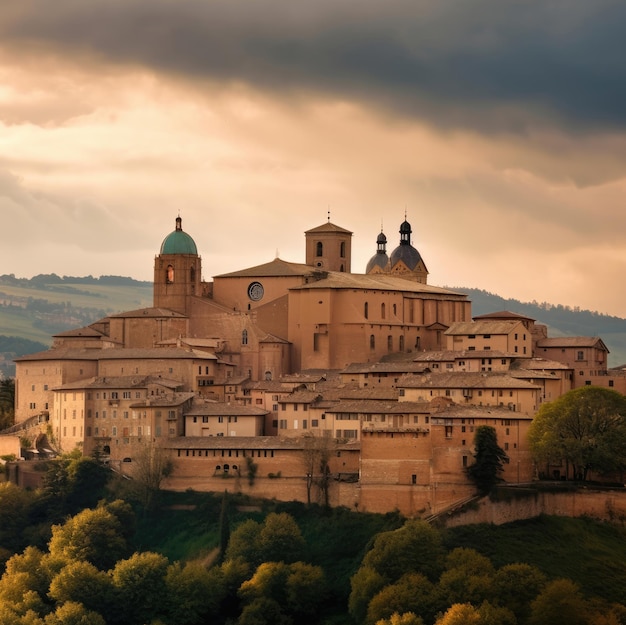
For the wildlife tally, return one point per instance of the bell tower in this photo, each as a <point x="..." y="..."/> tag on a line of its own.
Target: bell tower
<point x="177" y="271"/>
<point x="329" y="247"/>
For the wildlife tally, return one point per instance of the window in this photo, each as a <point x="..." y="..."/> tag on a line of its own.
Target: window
<point x="390" y="343"/>
<point x="319" y="249"/>
<point x="372" y="342"/>
<point x="401" y="344"/>
<point x="342" y="249"/>
<point x="383" y="311"/>
<point x="366" y="310"/>
<point x="448" y="431"/>
<point x="580" y="356"/>
<point x="244" y="337"/>
<point x="282" y="424"/>
<point x="315" y="423"/>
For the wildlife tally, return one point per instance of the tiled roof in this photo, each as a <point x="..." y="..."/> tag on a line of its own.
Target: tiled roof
<point x="380" y="407"/>
<point x="328" y="227"/>
<point x="572" y="341"/>
<point x="462" y="379"/>
<point x="481" y="327"/>
<point x="275" y="268"/>
<point x="502" y="315"/>
<point x="149" y="313"/>
<point x="219" y="408"/>
<point x="246" y="442"/>
<point x="344" y="280"/>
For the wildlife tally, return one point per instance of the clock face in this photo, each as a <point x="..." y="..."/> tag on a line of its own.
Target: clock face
<point x="255" y="291"/>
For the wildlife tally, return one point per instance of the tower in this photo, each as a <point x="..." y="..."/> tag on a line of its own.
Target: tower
<point x="329" y="247"/>
<point x="177" y="271"/>
<point x="379" y="263"/>
<point x="405" y="260"/>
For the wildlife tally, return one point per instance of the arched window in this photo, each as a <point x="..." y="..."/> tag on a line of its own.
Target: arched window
<point x="342" y="249"/>
<point x="366" y="312"/>
<point x="395" y="310"/>
<point x="268" y="375"/>
<point x="244" y="337"/>
<point x="383" y="311"/>
<point x="319" y="249"/>
<point x="169" y="274"/>
<point x="372" y="341"/>
<point x="390" y="343"/>
<point x="401" y="344"/>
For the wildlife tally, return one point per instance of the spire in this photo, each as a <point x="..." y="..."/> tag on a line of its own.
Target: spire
<point x="179" y="223"/>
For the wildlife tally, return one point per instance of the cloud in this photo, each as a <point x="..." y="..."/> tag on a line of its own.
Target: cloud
<point x="490" y="65"/>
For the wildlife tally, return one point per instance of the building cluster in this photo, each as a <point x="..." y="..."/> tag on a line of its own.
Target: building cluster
<point x="306" y="381"/>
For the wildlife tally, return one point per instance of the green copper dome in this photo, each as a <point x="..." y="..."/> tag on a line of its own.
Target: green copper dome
<point x="178" y="242"/>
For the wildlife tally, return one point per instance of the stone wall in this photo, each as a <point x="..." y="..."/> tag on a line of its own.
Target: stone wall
<point x="604" y="505"/>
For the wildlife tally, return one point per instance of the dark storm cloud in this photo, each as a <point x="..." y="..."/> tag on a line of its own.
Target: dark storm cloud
<point x="500" y="65"/>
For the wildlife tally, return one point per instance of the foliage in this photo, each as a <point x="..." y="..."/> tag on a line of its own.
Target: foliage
<point x="7" y="402"/>
<point x="93" y="535"/>
<point x="277" y="539"/>
<point x="586" y="427"/>
<point x="559" y="602"/>
<point x="489" y="459"/>
<point x="315" y="458"/>
<point x="406" y="618"/>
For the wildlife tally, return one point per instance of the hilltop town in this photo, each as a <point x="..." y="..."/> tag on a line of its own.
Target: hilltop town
<point x="305" y="381"/>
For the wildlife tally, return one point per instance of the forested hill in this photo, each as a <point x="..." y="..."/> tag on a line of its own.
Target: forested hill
<point x="561" y="320"/>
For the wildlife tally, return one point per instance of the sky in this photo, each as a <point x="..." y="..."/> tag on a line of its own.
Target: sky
<point x="497" y="127"/>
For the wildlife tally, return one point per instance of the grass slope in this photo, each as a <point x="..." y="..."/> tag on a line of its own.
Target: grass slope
<point x="589" y="552"/>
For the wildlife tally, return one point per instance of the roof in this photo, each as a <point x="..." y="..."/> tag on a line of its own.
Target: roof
<point x="380" y="407"/>
<point x="115" y="353"/>
<point x="247" y="442"/>
<point x="87" y="332"/>
<point x="383" y="367"/>
<point x="464" y="354"/>
<point x="275" y="268"/>
<point x="503" y="315"/>
<point x="573" y="341"/>
<point x="345" y="280"/>
<point x="149" y="313"/>
<point x="219" y="408"/>
<point x="481" y="327"/>
<point x="328" y="227"/>
<point x="462" y="379"/>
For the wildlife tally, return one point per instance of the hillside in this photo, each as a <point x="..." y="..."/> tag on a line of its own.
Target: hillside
<point x="32" y="310"/>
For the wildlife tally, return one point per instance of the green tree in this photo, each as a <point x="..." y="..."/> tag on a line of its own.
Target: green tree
<point x="411" y="593"/>
<point x="559" y="602"/>
<point x="140" y="582"/>
<point x="468" y="578"/>
<point x="407" y="618"/>
<point x="82" y="583"/>
<point x="415" y="547"/>
<point x="280" y="539"/>
<point x="15" y="504"/>
<point x="364" y="584"/>
<point x="74" y="614"/>
<point x="7" y="402"/>
<point x="460" y="614"/>
<point x="516" y="586"/>
<point x="194" y="593"/>
<point x="95" y="536"/>
<point x="489" y="460"/>
<point x="586" y="428"/>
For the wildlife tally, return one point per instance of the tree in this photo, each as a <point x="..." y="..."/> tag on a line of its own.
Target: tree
<point x="7" y="402"/>
<point x="406" y="618"/>
<point x="411" y="593"/>
<point x="82" y="583"/>
<point x="516" y="586"/>
<point x="316" y="454"/>
<point x="415" y="547"/>
<point x="151" y="464"/>
<point x="460" y="614"/>
<point x="559" y="602"/>
<point x="468" y="578"/>
<point x="140" y="582"/>
<point x="92" y="535"/>
<point x="489" y="459"/>
<point x="74" y="614"/>
<point x="586" y="428"/>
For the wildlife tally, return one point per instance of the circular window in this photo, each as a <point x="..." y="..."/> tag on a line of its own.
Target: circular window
<point x="255" y="291"/>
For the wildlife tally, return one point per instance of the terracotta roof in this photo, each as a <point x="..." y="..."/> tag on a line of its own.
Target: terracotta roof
<point x="503" y="315"/>
<point x="328" y="227"/>
<point x="78" y="332"/>
<point x="481" y="327"/>
<point x="344" y="280"/>
<point x="176" y="399"/>
<point x="275" y="268"/>
<point x="465" y="354"/>
<point x="573" y="341"/>
<point x="246" y="442"/>
<point x="380" y="407"/>
<point x="535" y="364"/>
<point x="462" y="379"/>
<point x="383" y="367"/>
<point x="220" y="408"/>
<point x="115" y="353"/>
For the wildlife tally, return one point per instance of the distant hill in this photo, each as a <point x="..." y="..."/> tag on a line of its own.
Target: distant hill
<point x="32" y="310"/>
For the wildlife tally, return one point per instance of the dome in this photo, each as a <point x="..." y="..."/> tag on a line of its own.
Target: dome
<point x="380" y="259"/>
<point x="405" y="252"/>
<point x="178" y="242"/>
